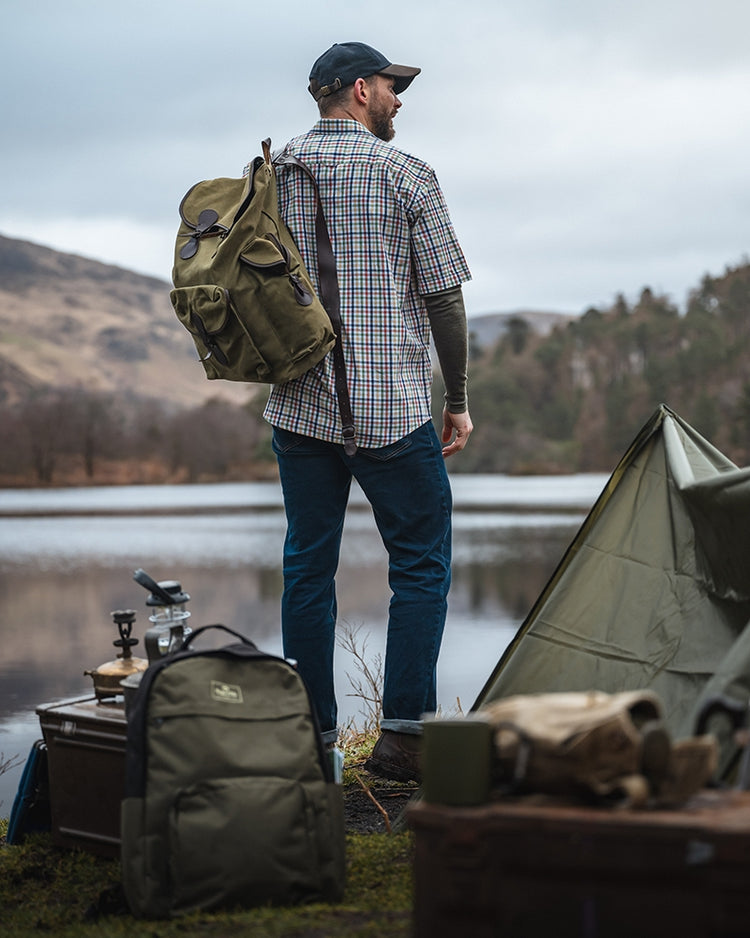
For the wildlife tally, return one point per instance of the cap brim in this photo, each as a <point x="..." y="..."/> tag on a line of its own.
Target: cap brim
<point x="402" y="75"/>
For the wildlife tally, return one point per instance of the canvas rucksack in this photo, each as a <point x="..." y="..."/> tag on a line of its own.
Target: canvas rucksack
<point x="229" y="793"/>
<point x="240" y="286"/>
<point x="242" y="291"/>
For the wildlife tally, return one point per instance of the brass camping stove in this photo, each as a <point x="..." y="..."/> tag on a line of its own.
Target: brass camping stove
<point x="107" y="676"/>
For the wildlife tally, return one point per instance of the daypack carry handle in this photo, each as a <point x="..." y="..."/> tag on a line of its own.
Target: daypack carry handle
<point x="204" y="628"/>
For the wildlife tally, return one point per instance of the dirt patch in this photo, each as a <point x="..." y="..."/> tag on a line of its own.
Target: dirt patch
<point x="366" y="813"/>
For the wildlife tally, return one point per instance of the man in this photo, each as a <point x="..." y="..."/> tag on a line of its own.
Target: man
<point x="400" y="271"/>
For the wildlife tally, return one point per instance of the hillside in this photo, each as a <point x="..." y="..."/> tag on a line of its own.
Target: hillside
<point x="487" y="329"/>
<point x="69" y="322"/>
<point x="100" y="382"/>
<point x="574" y="399"/>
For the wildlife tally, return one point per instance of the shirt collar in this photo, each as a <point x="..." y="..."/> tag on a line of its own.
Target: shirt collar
<point x="339" y="125"/>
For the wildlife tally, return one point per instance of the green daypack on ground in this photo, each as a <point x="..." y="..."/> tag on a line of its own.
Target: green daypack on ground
<point x="240" y="286"/>
<point x="229" y="791"/>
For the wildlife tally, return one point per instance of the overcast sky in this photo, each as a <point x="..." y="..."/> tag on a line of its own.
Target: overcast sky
<point x="585" y="147"/>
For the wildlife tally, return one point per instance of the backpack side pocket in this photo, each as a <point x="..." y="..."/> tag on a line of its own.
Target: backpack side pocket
<point x="225" y="348"/>
<point x="332" y="843"/>
<point x="142" y="862"/>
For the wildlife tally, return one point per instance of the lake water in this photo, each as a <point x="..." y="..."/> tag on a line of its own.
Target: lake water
<point x="67" y="558"/>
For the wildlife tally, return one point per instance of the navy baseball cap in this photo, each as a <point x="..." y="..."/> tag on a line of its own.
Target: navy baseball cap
<point x="345" y="62"/>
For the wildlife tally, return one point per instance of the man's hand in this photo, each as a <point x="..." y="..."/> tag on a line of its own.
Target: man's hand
<point x="461" y="425"/>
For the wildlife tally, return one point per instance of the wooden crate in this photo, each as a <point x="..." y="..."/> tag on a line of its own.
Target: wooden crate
<point x="525" y="868"/>
<point x="86" y="742"/>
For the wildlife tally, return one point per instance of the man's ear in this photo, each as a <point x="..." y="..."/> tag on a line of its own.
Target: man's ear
<point x="361" y="91"/>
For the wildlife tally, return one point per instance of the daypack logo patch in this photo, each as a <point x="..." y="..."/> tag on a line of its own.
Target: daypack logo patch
<point x="226" y="693"/>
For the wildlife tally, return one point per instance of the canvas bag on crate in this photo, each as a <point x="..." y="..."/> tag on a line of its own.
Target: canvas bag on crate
<point x="607" y="747"/>
<point x="229" y="792"/>
<point x="241" y="288"/>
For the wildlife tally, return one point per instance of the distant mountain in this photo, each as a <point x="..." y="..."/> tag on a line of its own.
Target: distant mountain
<point x="69" y="322"/>
<point x="489" y="327"/>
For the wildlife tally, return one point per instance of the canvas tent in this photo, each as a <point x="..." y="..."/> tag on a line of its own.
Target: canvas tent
<point x="654" y="590"/>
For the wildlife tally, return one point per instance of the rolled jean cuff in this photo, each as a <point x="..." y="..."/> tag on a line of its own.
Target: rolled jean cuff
<point x="402" y="726"/>
<point x="329" y="736"/>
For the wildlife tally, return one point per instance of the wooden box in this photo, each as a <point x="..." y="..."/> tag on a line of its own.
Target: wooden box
<point x="86" y="742"/>
<point x="523" y="868"/>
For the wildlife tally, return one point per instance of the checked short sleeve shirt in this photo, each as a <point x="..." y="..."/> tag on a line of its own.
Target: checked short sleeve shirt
<point x="393" y="242"/>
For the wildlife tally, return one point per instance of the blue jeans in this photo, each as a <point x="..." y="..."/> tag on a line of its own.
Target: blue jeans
<point x="407" y="486"/>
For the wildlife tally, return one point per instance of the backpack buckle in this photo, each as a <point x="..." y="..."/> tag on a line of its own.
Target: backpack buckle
<point x="350" y="439"/>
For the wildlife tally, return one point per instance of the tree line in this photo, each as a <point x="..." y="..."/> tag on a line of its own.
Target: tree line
<point x="573" y="400"/>
<point x="569" y="401"/>
<point x="73" y="436"/>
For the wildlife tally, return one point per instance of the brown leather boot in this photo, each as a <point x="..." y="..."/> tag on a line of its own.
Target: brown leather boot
<point x="396" y="756"/>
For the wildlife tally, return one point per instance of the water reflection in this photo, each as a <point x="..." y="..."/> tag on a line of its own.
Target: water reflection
<point x="61" y="575"/>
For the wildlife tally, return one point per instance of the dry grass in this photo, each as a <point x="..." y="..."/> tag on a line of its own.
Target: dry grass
<point x="8" y="763"/>
<point x="366" y="681"/>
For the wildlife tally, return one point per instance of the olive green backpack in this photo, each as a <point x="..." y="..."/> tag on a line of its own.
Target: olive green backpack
<point x="230" y="798"/>
<point x="242" y="291"/>
<point x="240" y="286"/>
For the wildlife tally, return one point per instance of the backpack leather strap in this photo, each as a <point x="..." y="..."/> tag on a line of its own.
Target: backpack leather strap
<point x="330" y="297"/>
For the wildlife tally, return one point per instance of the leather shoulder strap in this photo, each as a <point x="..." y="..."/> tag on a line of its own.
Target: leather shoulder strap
<point x="331" y="299"/>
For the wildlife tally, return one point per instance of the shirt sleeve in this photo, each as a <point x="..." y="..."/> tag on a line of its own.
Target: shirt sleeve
<point x="449" y="333"/>
<point x="439" y="262"/>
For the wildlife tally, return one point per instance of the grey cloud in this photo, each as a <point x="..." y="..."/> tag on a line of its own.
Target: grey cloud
<point x="584" y="147"/>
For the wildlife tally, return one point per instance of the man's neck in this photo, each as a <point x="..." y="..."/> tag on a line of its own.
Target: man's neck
<point x="349" y="113"/>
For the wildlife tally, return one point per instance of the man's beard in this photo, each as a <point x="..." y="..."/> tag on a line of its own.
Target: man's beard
<point x="382" y="124"/>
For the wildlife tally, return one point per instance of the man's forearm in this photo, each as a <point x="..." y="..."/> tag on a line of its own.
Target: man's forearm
<point x="447" y="317"/>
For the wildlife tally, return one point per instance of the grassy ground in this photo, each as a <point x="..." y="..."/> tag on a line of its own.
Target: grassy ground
<point x="72" y="894"/>
<point x="65" y="893"/>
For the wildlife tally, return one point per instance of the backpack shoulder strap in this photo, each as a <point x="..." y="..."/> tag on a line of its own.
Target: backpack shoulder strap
<point x="329" y="295"/>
